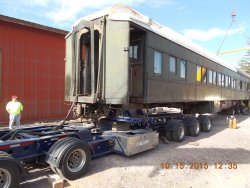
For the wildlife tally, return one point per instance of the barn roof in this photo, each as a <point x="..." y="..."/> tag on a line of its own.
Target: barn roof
<point x="31" y="24"/>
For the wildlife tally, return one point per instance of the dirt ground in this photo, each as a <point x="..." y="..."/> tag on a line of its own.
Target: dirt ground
<point x="220" y="158"/>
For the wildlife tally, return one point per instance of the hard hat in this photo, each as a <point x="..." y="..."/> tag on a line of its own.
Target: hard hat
<point x="14" y="97"/>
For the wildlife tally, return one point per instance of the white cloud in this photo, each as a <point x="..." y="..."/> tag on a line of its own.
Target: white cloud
<point x="34" y="3"/>
<point x="67" y="10"/>
<point x="182" y="8"/>
<point x="210" y="34"/>
<point x="160" y="3"/>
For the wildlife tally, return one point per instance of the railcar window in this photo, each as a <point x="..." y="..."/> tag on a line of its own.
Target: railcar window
<point x="229" y="82"/>
<point x="172" y="64"/>
<point x="204" y="75"/>
<point x="210" y="76"/>
<point x="223" y="80"/>
<point x="234" y="83"/>
<point x="214" y="78"/>
<point x="157" y="63"/>
<point x="135" y="51"/>
<point x="130" y="51"/>
<point x="198" y="73"/>
<point x="241" y="85"/>
<point x="246" y="86"/>
<point x="219" y="79"/>
<point x="183" y="65"/>
<point x="226" y="81"/>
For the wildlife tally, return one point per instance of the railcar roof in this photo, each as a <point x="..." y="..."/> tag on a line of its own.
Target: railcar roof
<point x="125" y="13"/>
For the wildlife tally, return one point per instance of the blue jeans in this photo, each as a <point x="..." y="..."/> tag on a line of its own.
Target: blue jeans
<point x="14" y="119"/>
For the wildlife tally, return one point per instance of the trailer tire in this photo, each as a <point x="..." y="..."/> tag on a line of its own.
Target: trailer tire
<point x="187" y="132"/>
<point x="168" y="135"/>
<point x="178" y="134"/>
<point x="189" y="121"/>
<point x="54" y="151"/>
<point x="9" y="173"/>
<point x="74" y="159"/>
<point x="194" y="128"/>
<point x="206" y="123"/>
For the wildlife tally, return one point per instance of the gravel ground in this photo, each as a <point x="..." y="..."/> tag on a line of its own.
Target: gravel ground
<point x="222" y="157"/>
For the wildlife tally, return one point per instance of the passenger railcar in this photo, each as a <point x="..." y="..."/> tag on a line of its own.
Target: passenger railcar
<point x="119" y="57"/>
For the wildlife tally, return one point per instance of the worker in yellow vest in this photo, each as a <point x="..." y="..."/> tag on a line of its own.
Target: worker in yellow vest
<point x="14" y="108"/>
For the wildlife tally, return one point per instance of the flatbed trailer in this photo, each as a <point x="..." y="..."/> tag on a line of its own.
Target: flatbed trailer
<point x="68" y="149"/>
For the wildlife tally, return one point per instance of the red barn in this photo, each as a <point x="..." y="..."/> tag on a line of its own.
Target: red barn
<point x="32" y="67"/>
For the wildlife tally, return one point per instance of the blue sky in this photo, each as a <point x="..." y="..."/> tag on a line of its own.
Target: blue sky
<point x="204" y="22"/>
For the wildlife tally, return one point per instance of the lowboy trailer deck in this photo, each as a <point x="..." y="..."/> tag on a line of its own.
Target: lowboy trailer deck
<point x="68" y="149"/>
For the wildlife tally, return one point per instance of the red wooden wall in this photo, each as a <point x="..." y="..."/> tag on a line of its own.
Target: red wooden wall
<point x="32" y="67"/>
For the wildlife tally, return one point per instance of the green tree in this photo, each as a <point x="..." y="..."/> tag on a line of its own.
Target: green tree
<point x="245" y="62"/>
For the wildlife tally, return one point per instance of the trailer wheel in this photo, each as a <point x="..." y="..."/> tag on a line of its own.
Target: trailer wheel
<point x="9" y="174"/>
<point x="206" y="123"/>
<point x="54" y="150"/>
<point x="74" y="159"/>
<point x="178" y="134"/>
<point x="194" y="128"/>
<point x="187" y="132"/>
<point x="168" y="135"/>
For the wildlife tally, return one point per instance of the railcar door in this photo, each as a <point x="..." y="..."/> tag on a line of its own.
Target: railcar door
<point x="87" y="61"/>
<point x="85" y="64"/>
<point x="136" y="60"/>
<point x="80" y="62"/>
<point x="85" y="82"/>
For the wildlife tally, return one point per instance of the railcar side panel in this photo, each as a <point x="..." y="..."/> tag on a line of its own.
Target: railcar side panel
<point x="116" y="64"/>
<point x="69" y="70"/>
<point x="169" y="87"/>
<point x="167" y="91"/>
<point x="207" y="93"/>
